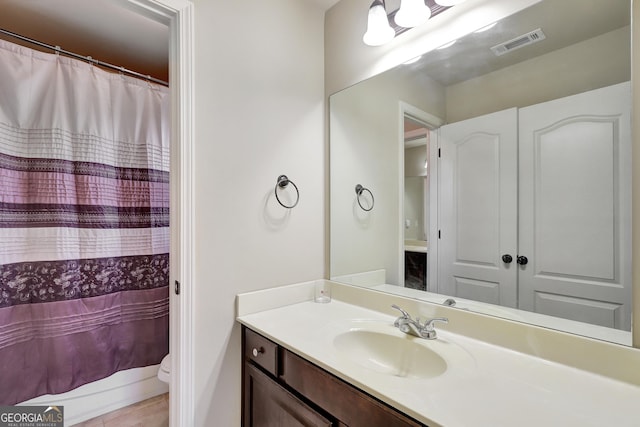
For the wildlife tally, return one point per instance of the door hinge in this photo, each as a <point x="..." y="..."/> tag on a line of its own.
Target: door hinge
<point x="177" y="287"/>
<point x="439" y="153"/>
<point x="438" y="234"/>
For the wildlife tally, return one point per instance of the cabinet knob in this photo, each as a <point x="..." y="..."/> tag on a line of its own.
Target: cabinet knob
<point x="506" y="258"/>
<point x="522" y="260"/>
<point x="257" y="351"/>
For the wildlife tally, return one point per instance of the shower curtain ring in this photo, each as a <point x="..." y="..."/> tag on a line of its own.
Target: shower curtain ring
<point x="359" y="190"/>
<point x="282" y="182"/>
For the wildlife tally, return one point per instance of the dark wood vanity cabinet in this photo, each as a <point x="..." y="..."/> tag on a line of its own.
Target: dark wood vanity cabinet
<point x="282" y="389"/>
<point x="415" y="270"/>
<point x="266" y="401"/>
<point x="268" y="404"/>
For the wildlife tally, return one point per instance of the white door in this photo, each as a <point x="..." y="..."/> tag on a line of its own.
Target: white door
<point x="575" y="207"/>
<point x="478" y="208"/>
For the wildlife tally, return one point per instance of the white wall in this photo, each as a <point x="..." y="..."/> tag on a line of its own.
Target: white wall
<point x="414" y="159"/>
<point x="414" y="191"/>
<point x="560" y="73"/>
<point x="366" y="129"/>
<point x="259" y="113"/>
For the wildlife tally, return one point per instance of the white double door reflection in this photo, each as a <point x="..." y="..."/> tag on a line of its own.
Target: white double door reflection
<point x="550" y="183"/>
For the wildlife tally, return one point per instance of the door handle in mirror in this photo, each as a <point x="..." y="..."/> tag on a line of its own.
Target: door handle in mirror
<point x="506" y="258"/>
<point x="522" y="260"/>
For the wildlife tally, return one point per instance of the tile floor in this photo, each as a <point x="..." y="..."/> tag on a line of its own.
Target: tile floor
<point x="152" y="412"/>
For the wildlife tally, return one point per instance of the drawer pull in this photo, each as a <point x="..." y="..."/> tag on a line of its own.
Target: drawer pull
<point x="257" y="352"/>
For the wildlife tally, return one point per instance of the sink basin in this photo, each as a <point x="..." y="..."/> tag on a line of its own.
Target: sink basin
<point x="400" y="356"/>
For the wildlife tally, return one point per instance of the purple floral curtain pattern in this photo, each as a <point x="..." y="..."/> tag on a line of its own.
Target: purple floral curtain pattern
<point x="84" y="223"/>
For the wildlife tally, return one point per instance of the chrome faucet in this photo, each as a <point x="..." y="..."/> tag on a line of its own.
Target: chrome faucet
<point x="413" y="327"/>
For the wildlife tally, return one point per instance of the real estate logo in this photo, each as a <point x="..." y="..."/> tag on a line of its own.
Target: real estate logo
<point x="31" y="416"/>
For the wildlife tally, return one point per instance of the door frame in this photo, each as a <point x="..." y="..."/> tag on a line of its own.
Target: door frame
<point x="432" y="123"/>
<point x="178" y="16"/>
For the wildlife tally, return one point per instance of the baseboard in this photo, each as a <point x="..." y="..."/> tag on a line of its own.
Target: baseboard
<point x="100" y="397"/>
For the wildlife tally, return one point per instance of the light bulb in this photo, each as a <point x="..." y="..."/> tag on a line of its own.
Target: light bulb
<point x="412" y="13"/>
<point x="379" y="31"/>
<point x="448" y="2"/>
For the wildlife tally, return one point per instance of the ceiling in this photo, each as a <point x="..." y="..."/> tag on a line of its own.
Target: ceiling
<point x="102" y="29"/>
<point x="564" y="23"/>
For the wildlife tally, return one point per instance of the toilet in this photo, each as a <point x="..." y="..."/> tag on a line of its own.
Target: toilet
<point x="165" y="369"/>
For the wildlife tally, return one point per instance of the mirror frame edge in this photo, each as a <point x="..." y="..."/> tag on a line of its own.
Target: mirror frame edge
<point x="332" y="88"/>
<point x="635" y="183"/>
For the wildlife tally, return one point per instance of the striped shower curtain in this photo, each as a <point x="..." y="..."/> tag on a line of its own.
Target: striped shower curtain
<point x="84" y="223"/>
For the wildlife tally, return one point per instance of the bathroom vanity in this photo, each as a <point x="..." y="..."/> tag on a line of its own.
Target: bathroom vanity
<point x="281" y="388"/>
<point x="345" y="364"/>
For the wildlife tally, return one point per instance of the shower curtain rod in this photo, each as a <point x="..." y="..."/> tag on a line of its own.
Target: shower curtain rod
<point x="57" y="49"/>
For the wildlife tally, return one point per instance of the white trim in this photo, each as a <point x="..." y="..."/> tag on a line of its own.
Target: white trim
<point x="434" y="206"/>
<point x="432" y="123"/>
<point x="178" y="15"/>
<point x="181" y="397"/>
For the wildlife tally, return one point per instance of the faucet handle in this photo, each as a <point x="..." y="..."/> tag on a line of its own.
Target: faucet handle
<point x="399" y="320"/>
<point x="428" y="331"/>
<point x="404" y="313"/>
<point x="428" y="325"/>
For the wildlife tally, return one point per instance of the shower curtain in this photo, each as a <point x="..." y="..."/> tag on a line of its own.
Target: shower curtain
<point x="84" y="223"/>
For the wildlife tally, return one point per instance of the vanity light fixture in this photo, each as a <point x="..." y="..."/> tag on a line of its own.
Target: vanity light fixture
<point x="382" y="27"/>
<point x="379" y="31"/>
<point x="412" y="13"/>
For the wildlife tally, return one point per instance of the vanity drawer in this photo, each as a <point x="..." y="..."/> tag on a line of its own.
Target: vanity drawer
<point x="346" y="403"/>
<point x="261" y="351"/>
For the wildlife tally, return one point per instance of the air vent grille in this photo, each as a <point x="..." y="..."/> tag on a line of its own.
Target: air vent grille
<point x="520" y="41"/>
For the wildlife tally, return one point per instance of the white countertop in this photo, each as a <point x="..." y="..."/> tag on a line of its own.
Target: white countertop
<point x="484" y="385"/>
<point x="416" y="246"/>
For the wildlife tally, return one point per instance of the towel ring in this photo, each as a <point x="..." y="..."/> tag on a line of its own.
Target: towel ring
<point x="282" y="182"/>
<point x="359" y="190"/>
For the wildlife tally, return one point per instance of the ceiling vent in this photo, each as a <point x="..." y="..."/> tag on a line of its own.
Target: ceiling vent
<point x="520" y="41"/>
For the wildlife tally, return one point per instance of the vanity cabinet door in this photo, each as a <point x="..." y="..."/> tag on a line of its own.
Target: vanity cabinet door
<point x="346" y="403"/>
<point x="268" y="404"/>
<point x="415" y="270"/>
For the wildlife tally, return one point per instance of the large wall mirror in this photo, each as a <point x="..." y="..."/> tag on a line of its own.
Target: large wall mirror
<point x="498" y="169"/>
